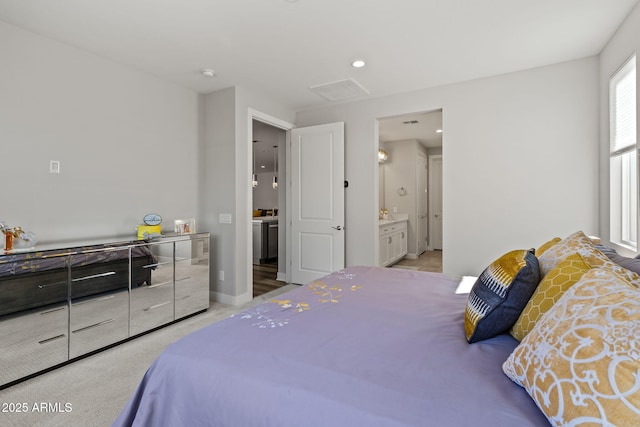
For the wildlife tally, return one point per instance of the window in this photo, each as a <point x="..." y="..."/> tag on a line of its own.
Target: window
<point x="623" y="172"/>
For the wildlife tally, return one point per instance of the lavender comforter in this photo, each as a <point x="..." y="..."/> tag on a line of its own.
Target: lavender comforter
<point x="364" y="346"/>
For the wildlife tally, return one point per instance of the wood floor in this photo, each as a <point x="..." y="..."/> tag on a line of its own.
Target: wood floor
<point x="428" y="261"/>
<point x="264" y="278"/>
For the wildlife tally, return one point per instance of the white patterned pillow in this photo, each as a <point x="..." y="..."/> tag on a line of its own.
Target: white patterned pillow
<point x="581" y="362"/>
<point x="579" y="243"/>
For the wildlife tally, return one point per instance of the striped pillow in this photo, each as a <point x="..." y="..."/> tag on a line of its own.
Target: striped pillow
<point x="500" y="294"/>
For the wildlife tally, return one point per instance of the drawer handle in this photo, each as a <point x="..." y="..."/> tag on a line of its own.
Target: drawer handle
<point x="159" y="284"/>
<point x="389" y="239"/>
<point x="403" y="234"/>
<point x="94" y="300"/>
<point x="53" y="310"/>
<point x="104" y="322"/>
<point x="153" y="307"/>
<point x="46" y="285"/>
<point x="95" y="276"/>
<point x="52" y="339"/>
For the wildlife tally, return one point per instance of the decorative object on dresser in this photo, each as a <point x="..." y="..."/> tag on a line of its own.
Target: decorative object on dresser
<point x="60" y="303"/>
<point x="16" y="238"/>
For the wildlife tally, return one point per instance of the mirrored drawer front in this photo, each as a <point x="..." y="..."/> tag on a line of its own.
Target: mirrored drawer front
<point x="99" y="277"/>
<point x="98" y="321"/>
<point x="26" y="291"/>
<point x="151" y="306"/>
<point x="192" y="295"/>
<point x="32" y="341"/>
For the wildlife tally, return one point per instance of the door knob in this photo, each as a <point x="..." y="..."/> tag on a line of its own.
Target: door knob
<point x="338" y="227"/>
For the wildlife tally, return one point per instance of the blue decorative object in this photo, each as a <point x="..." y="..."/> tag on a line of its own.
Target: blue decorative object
<point x="152" y="219"/>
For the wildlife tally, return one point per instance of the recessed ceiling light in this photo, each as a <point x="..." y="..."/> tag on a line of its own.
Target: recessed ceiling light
<point x="207" y="72"/>
<point x="358" y="63"/>
<point x="438" y="130"/>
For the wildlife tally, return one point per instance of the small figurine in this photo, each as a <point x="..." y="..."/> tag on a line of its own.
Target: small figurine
<point x="17" y="237"/>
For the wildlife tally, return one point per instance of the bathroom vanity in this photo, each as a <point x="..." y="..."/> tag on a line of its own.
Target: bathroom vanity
<point x="392" y="240"/>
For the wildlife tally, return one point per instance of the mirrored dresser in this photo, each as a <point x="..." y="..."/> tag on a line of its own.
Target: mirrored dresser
<point x="59" y="302"/>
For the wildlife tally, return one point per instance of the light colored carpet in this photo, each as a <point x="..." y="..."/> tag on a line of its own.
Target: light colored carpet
<point x="93" y="391"/>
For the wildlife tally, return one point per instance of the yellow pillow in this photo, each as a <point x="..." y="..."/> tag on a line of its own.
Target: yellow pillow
<point x="580" y="363"/>
<point x="547" y="245"/>
<point x="578" y="242"/>
<point x="550" y="289"/>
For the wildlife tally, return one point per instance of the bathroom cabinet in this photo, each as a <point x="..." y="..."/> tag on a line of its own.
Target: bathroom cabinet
<point x="392" y="242"/>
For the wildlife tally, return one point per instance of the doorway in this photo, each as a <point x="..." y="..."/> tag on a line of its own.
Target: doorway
<point x="268" y="198"/>
<point x="411" y="142"/>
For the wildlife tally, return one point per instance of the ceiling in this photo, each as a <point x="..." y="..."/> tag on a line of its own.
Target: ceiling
<point x="281" y="48"/>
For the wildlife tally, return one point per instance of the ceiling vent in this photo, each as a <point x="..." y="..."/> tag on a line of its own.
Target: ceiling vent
<point x="340" y="90"/>
<point x="410" y="122"/>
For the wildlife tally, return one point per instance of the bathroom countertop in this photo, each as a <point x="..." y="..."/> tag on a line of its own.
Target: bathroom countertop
<point x="394" y="219"/>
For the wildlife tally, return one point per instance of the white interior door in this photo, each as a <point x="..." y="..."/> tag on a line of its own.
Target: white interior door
<point x="435" y="202"/>
<point x="421" y="203"/>
<point x="317" y="201"/>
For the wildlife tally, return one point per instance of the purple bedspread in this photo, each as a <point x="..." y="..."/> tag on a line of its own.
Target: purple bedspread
<point x="364" y="346"/>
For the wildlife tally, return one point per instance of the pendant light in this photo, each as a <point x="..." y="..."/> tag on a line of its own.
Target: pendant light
<point x="254" y="177"/>
<point x="275" y="167"/>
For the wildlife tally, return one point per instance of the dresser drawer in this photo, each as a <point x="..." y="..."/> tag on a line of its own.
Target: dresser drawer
<point x="26" y="291"/>
<point x="152" y="306"/>
<point x="32" y="341"/>
<point x="99" y="277"/>
<point x="192" y="295"/>
<point x="98" y="321"/>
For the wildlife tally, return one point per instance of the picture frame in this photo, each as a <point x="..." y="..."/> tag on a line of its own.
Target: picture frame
<point x="184" y="226"/>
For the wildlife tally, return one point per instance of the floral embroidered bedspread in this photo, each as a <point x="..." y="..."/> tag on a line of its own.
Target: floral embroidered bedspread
<point x="364" y="346"/>
<point x="318" y="292"/>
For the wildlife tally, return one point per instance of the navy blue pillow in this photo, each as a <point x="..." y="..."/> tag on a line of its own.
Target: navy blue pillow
<point x="500" y="294"/>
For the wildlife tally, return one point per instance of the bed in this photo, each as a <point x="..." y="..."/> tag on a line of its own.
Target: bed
<point x="364" y="346"/>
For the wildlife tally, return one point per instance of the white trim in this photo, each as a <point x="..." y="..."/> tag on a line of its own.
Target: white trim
<point x="281" y="124"/>
<point x="430" y="160"/>
<point x="230" y="299"/>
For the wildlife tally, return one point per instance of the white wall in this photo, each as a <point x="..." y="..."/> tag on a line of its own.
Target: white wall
<point x="127" y="142"/>
<point x="622" y="45"/>
<point x="227" y="185"/>
<point x="520" y="165"/>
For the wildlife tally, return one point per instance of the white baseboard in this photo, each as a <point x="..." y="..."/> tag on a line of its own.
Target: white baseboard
<point x="282" y="277"/>
<point x="230" y="299"/>
<point x="411" y="256"/>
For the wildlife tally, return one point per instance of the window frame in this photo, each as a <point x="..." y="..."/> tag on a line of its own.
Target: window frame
<point x="619" y="223"/>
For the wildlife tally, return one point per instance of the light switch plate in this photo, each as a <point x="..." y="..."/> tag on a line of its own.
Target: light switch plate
<point x="224" y="218"/>
<point x="54" y="166"/>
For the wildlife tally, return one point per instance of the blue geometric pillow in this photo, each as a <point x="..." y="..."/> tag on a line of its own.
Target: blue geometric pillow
<point x="500" y="294"/>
